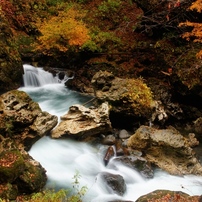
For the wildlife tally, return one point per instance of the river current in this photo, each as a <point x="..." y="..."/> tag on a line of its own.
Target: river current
<point x="63" y="158"/>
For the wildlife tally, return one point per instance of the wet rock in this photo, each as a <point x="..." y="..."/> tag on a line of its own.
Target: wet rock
<point x="167" y="149"/>
<point x="115" y="183"/>
<point x="81" y="122"/>
<point x="137" y="163"/>
<point x="109" y="154"/>
<point x="166" y="195"/>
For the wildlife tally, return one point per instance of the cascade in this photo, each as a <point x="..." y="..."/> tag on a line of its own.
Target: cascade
<point x="38" y="77"/>
<point x="62" y="158"/>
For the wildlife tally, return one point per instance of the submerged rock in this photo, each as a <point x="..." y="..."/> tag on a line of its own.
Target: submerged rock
<point x="137" y="163"/>
<point x="81" y="122"/>
<point x="167" y="149"/>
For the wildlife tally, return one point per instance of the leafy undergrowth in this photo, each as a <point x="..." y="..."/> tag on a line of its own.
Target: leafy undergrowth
<point x="75" y="194"/>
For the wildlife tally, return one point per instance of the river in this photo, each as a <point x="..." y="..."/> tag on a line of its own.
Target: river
<point x="62" y="158"/>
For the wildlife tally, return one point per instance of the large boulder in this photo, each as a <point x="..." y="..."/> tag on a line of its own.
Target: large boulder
<point x="127" y="97"/>
<point x="167" y="149"/>
<point x="81" y="122"/>
<point x="19" y="172"/>
<point x="22" y="119"/>
<point x="11" y="68"/>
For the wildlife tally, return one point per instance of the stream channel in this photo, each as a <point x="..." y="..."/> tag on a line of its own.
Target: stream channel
<point x="62" y="158"/>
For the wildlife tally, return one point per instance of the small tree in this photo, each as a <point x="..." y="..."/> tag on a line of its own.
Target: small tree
<point x="62" y="33"/>
<point x="196" y="32"/>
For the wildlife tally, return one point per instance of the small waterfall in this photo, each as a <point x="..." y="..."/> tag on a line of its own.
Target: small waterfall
<point x="35" y="76"/>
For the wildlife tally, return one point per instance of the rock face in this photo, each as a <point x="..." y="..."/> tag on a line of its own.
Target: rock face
<point x="81" y="122"/>
<point x="127" y="97"/>
<point x="167" y="149"/>
<point x="11" y="68"/>
<point x="21" y="124"/>
<point x="22" y="119"/>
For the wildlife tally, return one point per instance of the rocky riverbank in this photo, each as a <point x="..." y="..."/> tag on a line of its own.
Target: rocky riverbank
<point x="143" y="146"/>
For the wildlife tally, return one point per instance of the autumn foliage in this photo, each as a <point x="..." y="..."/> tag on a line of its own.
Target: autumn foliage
<point x="21" y="14"/>
<point x="196" y="32"/>
<point x="62" y="33"/>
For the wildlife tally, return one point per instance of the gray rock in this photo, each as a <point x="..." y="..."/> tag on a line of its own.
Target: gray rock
<point x="115" y="183"/>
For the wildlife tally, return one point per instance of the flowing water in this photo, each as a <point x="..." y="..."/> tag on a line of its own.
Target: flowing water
<point x="62" y="158"/>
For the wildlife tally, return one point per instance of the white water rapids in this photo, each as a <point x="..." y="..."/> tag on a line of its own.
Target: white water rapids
<point x="62" y="157"/>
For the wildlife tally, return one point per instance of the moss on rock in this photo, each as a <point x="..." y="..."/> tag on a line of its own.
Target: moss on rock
<point x="11" y="165"/>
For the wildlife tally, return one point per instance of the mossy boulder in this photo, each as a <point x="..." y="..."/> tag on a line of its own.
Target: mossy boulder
<point x="127" y="97"/>
<point x="8" y="191"/>
<point x="19" y="172"/>
<point x="33" y="178"/>
<point x="11" y="165"/>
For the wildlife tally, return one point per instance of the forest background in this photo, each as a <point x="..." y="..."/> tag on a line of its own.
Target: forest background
<point x="131" y="38"/>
